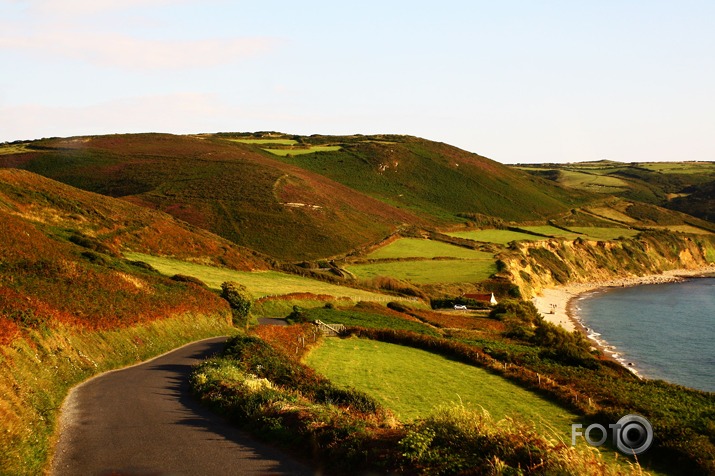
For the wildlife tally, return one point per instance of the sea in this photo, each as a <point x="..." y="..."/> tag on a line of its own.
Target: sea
<point x="660" y="331"/>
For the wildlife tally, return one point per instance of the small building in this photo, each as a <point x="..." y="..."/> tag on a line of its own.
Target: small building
<point x="485" y="298"/>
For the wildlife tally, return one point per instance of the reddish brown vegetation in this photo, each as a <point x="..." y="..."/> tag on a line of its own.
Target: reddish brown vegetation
<point x="460" y="321"/>
<point x="295" y="341"/>
<point x="302" y="297"/>
<point x="115" y="223"/>
<point x="46" y="280"/>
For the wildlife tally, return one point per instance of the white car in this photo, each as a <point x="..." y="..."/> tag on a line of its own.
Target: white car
<point x="460" y="307"/>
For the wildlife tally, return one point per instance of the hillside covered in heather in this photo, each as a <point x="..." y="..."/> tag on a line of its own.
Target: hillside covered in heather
<point x="296" y="197"/>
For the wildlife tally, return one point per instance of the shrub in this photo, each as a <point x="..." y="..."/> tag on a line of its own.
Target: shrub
<point x="188" y="279"/>
<point x="458" y="441"/>
<point x="239" y="299"/>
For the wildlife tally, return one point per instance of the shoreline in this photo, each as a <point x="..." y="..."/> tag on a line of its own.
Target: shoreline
<point x="557" y="303"/>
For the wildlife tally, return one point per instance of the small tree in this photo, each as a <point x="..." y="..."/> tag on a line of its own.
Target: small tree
<point x="240" y="300"/>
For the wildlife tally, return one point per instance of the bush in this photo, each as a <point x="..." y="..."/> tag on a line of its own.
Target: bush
<point x="188" y="279"/>
<point x="458" y="441"/>
<point x="239" y="299"/>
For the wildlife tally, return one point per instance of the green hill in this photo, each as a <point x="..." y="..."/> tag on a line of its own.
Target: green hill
<point x="435" y="179"/>
<point x="683" y="186"/>
<point x="295" y="198"/>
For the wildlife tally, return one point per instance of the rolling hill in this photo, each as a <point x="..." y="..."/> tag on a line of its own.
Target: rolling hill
<point x="296" y="198"/>
<point x="60" y="262"/>
<point x="683" y="186"/>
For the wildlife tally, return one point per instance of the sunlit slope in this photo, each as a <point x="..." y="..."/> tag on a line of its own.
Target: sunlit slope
<point x="436" y="179"/>
<point x="57" y="265"/>
<point x="235" y="190"/>
<point x="113" y="226"/>
<point x="686" y="186"/>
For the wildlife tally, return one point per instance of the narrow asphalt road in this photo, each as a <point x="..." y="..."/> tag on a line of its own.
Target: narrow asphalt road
<point x="141" y="421"/>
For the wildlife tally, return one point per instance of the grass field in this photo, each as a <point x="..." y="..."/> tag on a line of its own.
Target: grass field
<point x="680" y="167"/>
<point x="683" y="229"/>
<point x="13" y="149"/>
<point x="552" y="231"/>
<point x="611" y="213"/>
<point x="604" y="233"/>
<point x="592" y="182"/>
<point x="396" y="376"/>
<point x="429" y="271"/>
<point x="266" y="141"/>
<point x="418" y="248"/>
<point x="259" y="283"/>
<point x="309" y="150"/>
<point x="501" y="237"/>
<point x="368" y="318"/>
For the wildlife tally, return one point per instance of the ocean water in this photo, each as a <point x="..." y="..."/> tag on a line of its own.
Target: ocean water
<point x="661" y="331"/>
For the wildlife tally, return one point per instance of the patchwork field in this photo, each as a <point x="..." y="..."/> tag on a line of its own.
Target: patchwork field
<point x="395" y="375"/>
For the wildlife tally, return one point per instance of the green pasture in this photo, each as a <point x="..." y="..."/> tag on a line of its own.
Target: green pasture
<point x="412" y="382"/>
<point x="429" y="271"/>
<point x="309" y="150"/>
<point x="693" y="230"/>
<point x="266" y="141"/>
<point x="259" y="283"/>
<point x="604" y="233"/>
<point x="419" y="248"/>
<point x="592" y="182"/>
<point x="551" y="231"/>
<point x="501" y="237"/>
<point x="13" y="149"/>
<point x="611" y="214"/>
<point x="361" y="317"/>
<point x="680" y="167"/>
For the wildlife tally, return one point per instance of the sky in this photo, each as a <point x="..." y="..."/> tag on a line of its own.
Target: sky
<point x="516" y="81"/>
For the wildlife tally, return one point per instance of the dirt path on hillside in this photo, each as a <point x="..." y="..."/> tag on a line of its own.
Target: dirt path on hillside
<point x="142" y="421"/>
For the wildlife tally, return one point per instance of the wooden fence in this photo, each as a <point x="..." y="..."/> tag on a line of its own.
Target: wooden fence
<point x="330" y="330"/>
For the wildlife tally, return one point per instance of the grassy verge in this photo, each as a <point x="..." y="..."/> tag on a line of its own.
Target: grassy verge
<point x="395" y="376"/>
<point x="37" y="372"/>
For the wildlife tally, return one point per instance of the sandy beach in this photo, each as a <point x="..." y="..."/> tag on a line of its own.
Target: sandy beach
<point x="553" y="303"/>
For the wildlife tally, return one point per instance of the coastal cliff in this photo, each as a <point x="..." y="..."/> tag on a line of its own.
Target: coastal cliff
<point x="534" y="266"/>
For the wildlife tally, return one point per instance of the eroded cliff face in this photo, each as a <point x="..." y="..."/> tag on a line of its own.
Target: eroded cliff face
<point x="535" y="265"/>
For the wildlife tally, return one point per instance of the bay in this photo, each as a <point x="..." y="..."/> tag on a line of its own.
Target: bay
<point x="661" y="331"/>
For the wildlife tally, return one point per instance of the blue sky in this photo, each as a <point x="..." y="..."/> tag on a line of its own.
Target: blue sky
<point x="516" y="81"/>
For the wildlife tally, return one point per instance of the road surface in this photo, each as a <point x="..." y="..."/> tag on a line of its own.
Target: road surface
<point x="141" y="421"/>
